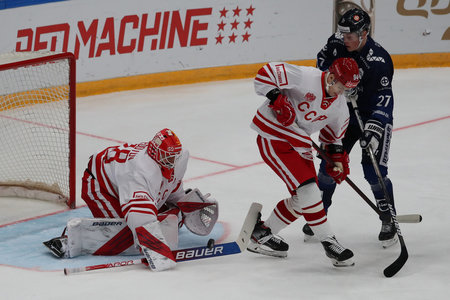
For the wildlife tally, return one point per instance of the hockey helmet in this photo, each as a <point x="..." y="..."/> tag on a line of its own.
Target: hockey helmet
<point x="346" y="70"/>
<point x="165" y="148"/>
<point x="354" y="20"/>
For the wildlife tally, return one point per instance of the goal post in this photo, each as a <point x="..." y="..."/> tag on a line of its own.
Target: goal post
<point x="37" y="126"/>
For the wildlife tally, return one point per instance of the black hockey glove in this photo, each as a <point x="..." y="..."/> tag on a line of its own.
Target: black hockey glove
<point x="373" y="132"/>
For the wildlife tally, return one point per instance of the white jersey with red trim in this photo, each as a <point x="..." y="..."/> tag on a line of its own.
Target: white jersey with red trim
<point x="129" y="174"/>
<point x="305" y="90"/>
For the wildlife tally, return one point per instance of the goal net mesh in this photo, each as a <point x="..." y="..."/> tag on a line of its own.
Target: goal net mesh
<point x="34" y="128"/>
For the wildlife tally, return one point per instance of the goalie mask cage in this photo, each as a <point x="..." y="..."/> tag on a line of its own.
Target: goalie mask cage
<point x="37" y="126"/>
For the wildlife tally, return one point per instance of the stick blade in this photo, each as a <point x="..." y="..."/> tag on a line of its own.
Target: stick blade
<point x="249" y="224"/>
<point x="396" y="266"/>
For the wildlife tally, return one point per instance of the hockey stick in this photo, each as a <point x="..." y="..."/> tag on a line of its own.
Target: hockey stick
<point x="411" y="218"/>
<point x="181" y="255"/>
<point x="393" y="268"/>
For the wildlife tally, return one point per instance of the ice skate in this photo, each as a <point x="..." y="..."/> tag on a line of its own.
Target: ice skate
<point x="308" y="233"/>
<point x="264" y="242"/>
<point x="339" y="255"/>
<point x="58" y="246"/>
<point x="388" y="234"/>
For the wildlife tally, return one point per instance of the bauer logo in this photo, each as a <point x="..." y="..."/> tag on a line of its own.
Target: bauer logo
<point x="106" y="223"/>
<point x="197" y="253"/>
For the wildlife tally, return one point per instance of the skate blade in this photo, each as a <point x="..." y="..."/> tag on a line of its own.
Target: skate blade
<point x="389" y="243"/>
<point x="345" y="263"/>
<point x="254" y="248"/>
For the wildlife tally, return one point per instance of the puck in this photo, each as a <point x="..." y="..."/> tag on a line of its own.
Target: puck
<point x="210" y="244"/>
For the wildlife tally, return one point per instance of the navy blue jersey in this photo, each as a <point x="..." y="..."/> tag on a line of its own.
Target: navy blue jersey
<point x="375" y="98"/>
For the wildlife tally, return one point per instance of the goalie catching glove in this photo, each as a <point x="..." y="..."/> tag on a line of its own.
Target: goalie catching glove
<point x="339" y="168"/>
<point x="200" y="212"/>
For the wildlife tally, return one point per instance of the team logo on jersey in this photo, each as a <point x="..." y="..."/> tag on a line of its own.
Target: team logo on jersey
<point x="310" y="97"/>
<point x="371" y="57"/>
<point x="281" y="74"/>
<point x="384" y="81"/>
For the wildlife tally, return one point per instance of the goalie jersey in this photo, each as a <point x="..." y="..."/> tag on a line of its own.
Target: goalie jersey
<point x="133" y="182"/>
<point x="305" y="90"/>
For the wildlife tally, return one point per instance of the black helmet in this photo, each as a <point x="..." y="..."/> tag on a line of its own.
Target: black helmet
<point x="354" y="20"/>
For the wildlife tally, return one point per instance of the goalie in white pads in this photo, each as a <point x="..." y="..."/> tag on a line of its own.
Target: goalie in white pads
<point x="301" y="101"/>
<point x="136" y="196"/>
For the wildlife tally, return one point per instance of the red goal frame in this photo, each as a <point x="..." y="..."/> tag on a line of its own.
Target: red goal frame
<point x="71" y="202"/>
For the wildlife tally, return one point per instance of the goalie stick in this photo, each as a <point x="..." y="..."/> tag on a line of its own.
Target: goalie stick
<point x="188" y="254"/>
<point x="410" y="218"/>
<point x="393" y="268"/>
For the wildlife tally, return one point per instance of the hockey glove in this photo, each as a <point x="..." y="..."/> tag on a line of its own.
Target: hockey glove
<point x="339" y="169"/>
<point x="283" y="109"/>
<point x="373" y="132"/>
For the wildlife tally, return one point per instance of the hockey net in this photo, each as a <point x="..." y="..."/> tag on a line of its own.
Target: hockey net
<point x="37" y="126"/>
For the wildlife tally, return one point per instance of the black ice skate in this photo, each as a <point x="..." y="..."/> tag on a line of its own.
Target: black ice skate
<point x="264" y="242"/>
<point x="340" y="256"/>
<point x="309" y="234"/>
<point x="388" y="234"/>
<point x="58" y="246"/>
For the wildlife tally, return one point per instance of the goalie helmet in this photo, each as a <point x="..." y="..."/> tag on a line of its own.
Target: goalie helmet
<point x="346" y="70"/>
<point x="354" y="20"/>
<point x="165" y="148"/>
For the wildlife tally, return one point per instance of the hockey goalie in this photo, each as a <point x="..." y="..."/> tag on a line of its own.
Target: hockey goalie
<point x="136" y="196"/>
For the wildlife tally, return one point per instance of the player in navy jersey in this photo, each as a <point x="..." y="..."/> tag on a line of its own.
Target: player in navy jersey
<point x="375" y="101"/>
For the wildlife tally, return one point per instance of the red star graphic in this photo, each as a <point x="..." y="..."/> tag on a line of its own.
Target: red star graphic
<point x="245" y="37"/>
<point x="248" y="24"/>
<point x="221" y="26"/>
<point x="234" y="25"/>
<point x="236" y="11"/>
<point x="232" y="38"/>
<point x="223" y="12"/>
<point x="219" y="39"/>
<point x="250" y="10"/>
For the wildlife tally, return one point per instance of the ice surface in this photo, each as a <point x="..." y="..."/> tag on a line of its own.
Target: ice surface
<point x="212" y="121"/>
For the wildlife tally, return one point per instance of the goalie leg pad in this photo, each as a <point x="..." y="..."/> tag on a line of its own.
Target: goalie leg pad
<point x="154" y="246"/>
<point x="99" y="236"/>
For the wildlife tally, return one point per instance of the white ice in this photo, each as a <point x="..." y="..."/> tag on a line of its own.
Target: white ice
<point x="212" y="120"/>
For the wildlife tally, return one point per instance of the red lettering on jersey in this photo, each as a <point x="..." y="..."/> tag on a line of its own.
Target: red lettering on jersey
<point x="303" y="106"/>
<point x="310" y="115"/>
<point x="281" y="75"/>
<point x="320" y="118"/>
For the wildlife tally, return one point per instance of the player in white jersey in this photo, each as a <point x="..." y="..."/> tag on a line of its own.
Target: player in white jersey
<point x="301" y="101"/>
<point x="136" y="196"/>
